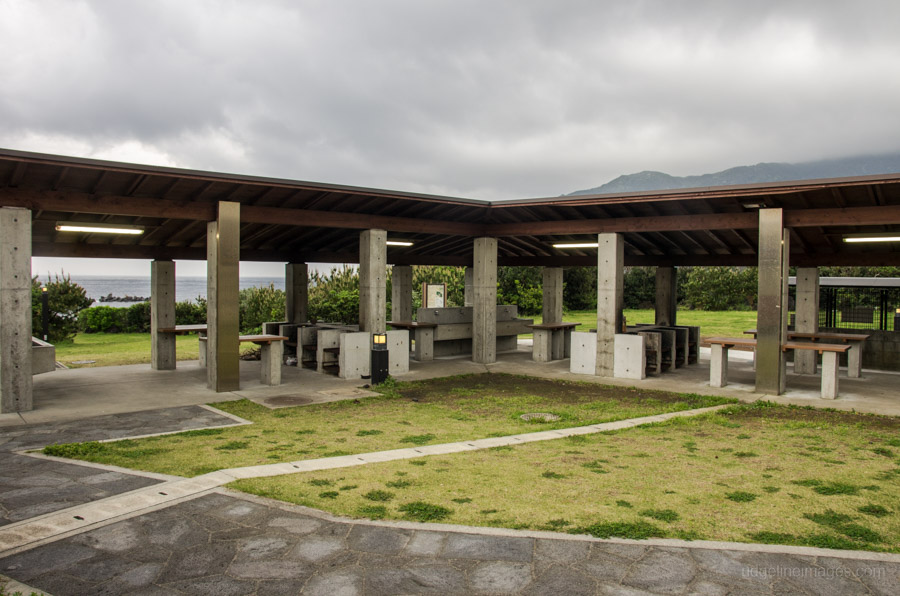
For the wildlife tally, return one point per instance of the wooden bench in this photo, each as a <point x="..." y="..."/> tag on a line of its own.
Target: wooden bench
<point x="552" y="341"/>
<point x="271" y="354"/>
<point x="854" y="340"/>
<point x="718" y="361"/>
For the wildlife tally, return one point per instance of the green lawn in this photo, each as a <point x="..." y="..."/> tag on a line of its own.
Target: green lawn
<point x="417" y="413"/>
<point x="758" y="473"/>
<point x="712" y="324"/>
<point x="114" y="349"/>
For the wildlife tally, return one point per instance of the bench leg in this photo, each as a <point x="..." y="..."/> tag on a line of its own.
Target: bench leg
<point x="805" y="362"/>
<point x="424" y="345"/>
<point x="829" y="375"/>
<point x="542" y="348"/>
<point x="202" y="351"/>
<point x="271" y="355"/>
<point x="718" y="366"/>
<point x="854" y="361"/>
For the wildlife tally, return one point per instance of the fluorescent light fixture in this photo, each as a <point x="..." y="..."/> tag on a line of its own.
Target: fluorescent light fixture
<point x="873" y="238"/>
<point x="398" y="243"/>
<point x="98" y="228"/>
<point x="577" y="245"/>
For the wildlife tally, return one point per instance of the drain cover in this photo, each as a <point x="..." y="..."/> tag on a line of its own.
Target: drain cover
<point x="540" y="417"/>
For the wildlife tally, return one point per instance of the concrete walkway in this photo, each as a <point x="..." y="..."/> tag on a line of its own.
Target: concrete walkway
<point x="213" y="541"/>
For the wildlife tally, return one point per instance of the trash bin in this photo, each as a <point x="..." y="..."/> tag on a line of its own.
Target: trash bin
<point x="379" y="363"/>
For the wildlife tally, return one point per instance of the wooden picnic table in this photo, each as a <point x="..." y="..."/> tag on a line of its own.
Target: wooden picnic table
<point x="855" y="341"/>
<point x="718" y="360"/>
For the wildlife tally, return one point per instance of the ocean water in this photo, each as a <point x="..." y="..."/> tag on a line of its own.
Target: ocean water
<point x="186" y="288"/>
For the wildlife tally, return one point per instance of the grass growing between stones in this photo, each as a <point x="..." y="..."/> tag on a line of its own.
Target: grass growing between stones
<point x="407" y="415"/>
<point x="815" y="478"/>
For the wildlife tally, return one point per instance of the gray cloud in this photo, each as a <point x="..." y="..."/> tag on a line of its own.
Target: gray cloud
<point x="482" y="99"/>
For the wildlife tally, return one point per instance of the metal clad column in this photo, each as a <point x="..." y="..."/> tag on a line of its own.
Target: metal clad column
<point x="666" y="295"/>
<point x="401" y="293"/>
<point x="552" y="295"/>
<point x="771" y="322"/>
<point x="15" y="310"/>
<point x="162" y="314"/>
<point x="610" y="299"/>
<point x="807" y="316"/>
<point x="223" y="261"/>
<point x="372" y="280"/>
<point x="296" y="298"/>
<point x="484" y="309"/>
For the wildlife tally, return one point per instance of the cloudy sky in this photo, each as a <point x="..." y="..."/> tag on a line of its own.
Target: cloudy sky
<point x="483" y="99"/>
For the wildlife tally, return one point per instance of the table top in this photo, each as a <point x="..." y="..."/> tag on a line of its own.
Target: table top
<point x="820" y="335"/>
<point x="410" y="324"/>
<point x="183" y="328"/>
<point x="553" y="326"/>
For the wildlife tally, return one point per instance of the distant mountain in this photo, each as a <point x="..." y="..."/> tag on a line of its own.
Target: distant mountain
<point x="762" y="172"/>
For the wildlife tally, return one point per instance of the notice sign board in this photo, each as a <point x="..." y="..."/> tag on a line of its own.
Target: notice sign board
<point x="433" y="295"/>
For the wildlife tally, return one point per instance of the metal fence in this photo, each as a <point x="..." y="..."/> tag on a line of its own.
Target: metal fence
<point x="856" y="307"/>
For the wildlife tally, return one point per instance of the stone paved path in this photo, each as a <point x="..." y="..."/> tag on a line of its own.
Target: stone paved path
<point x="229" y="543"/>
<point x="221" y="544"/>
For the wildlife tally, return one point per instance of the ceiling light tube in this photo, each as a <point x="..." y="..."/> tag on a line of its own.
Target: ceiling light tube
<point x="870" y="238"/>
<point x="398" y="243"/>
<point x="577" y="245"/>
<point x="92" y="228"/>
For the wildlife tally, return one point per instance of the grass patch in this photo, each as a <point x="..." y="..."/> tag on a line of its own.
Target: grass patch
<point x="490" y="403"/>
<point x="665" y="515"/>
<point x="638" y="530"/>
<point x="379" y="495"/>
<point x="421" y="511"/>
<point x="741" y="496"/>
<point x="504" y="488"/>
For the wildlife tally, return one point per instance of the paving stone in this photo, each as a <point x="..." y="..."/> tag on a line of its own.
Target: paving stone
<point x="131" y="581"/>
<point x="316" y="548"/>
<point x="880" y="578"/>
<point x="176" y="534"/>
<point x="238" y="533"/>
<point x="423" y="543"/>
<point x="561" y="580"/>
<point x="605" y="567"/>
<point x="337" y="583"/>
<point x="262" y="547"/>
<point x="626" y="551"/>
<point x="500" y="577"/>
<point x="295" y="525"/>
<point x="433" y="579"/>
<point x="662" y="571"/>
<point x="60" y="584"/>
<point x="214" y="585"/>
<point x="561" y="551"/>
<point x="278" y="587"/>
<point x="270" y="569"/>
<point x="117" y="538"/>
<point x="488" y="548"/>
<point x="726" y="563"/>
<point x="615" y="589"/>
<point x="52" y="557"/>
<point x="212" y="559"/>
<point x="101" y="569"/>
<point x="377" y="539"/>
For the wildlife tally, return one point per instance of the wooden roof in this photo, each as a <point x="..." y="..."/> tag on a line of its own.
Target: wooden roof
<point x="289" y="220"/>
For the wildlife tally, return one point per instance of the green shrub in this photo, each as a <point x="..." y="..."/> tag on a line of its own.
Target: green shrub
<point x="65" y="300"/>
<point x="259" y="305"/>
<point x="102" y="319"/>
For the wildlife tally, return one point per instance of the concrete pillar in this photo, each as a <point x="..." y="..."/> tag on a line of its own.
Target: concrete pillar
<point x="771" y="315"/>
<point x="553" y="295"/>
<point x="807" y="316"/>
<point x="484" y="311"/>
<point x="296" y="295"/>
<point x="222" y="314"/>
<point x="162" y="314"/>
<point x="469" y="296"/>
<point x="401" y="293"/>
<point x="15" y="310"/>
<point x="610" y="299"/>
<point x="666" y="295"/>
<point x="372" y="281"/>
